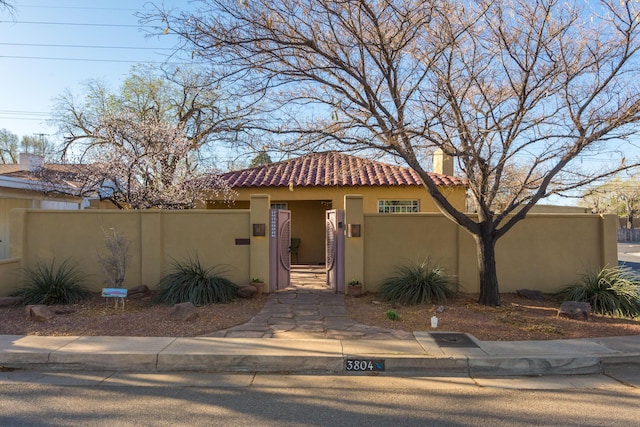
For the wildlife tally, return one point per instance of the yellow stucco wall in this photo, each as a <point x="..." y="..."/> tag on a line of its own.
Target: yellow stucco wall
<point x="370" y="195"/>
<point x="9" y="274"/>
<point x="157" y="239"/>
<point x="6" y="204"/>
<point x="309" y="204"/>
<point x="544" y="252"/>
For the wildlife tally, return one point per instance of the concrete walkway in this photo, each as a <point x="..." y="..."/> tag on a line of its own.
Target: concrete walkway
<point x="314" y="335"/>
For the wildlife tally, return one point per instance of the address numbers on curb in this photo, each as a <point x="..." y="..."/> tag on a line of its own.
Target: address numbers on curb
<point x="364" y="365"/>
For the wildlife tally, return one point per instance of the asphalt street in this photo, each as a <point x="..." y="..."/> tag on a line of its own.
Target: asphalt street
<point x="29" y="398"/>
<point x="629" y="255"/>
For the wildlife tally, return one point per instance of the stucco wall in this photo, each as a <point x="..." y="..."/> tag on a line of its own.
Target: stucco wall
<point x="545" y="251"/>
<point x="157" y="239"/>
<point x="6" y="204"/>
<point x="370" y="195"/>
<point x="309" y="204"/>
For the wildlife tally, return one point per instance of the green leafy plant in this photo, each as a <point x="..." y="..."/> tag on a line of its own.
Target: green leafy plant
<point x="417" y="284"/>
<point x="257" y="280"/>
<point x="50" y="284"/>
<point x="191" y="282"/>
<point x="393" y="315"/>
<point x="354" y="282"/>
<point x="613" y="291"/>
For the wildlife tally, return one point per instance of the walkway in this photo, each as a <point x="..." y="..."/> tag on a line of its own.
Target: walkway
<point x="307" y="309"/>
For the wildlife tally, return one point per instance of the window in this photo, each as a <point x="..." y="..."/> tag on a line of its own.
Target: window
<point x="398" y="206"/>
<point x="281" y="206"/>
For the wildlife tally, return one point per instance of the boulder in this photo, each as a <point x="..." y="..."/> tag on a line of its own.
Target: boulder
<point x="139" y="292"/>
<point x="246" y="291"/>
<point x="39" y="313"/>
<point x="530" y="294"/>
<point x="10" y="301"/>
<point x="575" y="310"/>
<point x="183" y="312"/>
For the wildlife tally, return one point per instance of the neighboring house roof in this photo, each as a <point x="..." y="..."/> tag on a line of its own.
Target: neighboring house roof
<point x="330" y="169"/>
<point x="31" y="173"/>
<point x="47" y="170"/>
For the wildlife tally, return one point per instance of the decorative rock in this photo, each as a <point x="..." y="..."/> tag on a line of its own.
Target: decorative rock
<point x="184" y="312"/>
<point x="246" y="291"/>
<point x="138" y="292"/>
<point x="39" y="313"/>
<point x="575" y="310"/>
<point x="10" y="301"/>
<point x="530" y="294"/>
<point x="440" y="309"/>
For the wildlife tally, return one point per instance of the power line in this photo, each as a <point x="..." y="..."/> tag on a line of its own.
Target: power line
<point x="33" y="113"/>
<point x="78" y="7"/>
<point x="77" y="24"/>
<point x="90" y="59"/>
<point x="85" y="46"/>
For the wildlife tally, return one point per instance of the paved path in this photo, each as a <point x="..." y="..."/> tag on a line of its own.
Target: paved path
<point x="307" y="309"/>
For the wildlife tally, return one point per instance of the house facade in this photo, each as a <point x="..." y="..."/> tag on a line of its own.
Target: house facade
<point x="310" y="185"/>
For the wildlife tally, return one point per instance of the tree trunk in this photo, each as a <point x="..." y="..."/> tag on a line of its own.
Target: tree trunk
<point x="489" y="291"/>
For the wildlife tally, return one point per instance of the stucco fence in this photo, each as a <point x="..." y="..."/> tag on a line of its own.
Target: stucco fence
<point x="544" y="252"/>
<point x="157" y="240"/>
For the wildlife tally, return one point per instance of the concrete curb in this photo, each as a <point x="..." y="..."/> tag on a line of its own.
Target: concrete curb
<point x="305" y="356"/>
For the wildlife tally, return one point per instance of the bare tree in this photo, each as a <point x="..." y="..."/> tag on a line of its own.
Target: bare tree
<point x="500" y="85"/>
<point x="143" y="164"/>
<point x="180" y="97"/>
<point x="617" y="195"/>
<point x="4" y="4"/>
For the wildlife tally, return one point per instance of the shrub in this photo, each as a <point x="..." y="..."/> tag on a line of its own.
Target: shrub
<point x="612" y="291"/>
<point x="114" y="265"/>
<point x="417" y="284"/>
<point x="50" y="284"/>
<point x="393" y="315"/>
<point x="191" y="282"/>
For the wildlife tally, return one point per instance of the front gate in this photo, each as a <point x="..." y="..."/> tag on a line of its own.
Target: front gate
<point x="279" y="255"/>
<point x="335" y="249"/>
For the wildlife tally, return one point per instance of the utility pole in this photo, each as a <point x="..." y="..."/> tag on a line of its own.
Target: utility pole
<point x="42" y="142"/>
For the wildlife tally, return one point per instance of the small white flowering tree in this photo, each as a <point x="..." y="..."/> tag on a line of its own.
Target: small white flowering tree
<point x="145" y="163"/>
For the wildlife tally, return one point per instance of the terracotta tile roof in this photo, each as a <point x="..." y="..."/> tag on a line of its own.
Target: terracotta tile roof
<point x="330" y="169"/>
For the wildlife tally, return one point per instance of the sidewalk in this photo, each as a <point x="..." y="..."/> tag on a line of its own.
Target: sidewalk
<point x="421" y="355"/>
<point x="305" y="330"/>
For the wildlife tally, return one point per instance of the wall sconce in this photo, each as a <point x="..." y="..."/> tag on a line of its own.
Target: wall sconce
<point x="259" y="230"/>
<point x="353" y="230"/>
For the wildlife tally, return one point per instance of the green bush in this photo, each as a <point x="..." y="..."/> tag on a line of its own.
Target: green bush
<point x="191" y="282"/>
<point x="50" y="284"/>
<point x="393" y="315"/>
<point x="612" y="291"/>
<point x="417" y="284"/>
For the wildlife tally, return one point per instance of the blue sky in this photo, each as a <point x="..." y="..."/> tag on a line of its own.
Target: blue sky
<point x="49" y="46"/>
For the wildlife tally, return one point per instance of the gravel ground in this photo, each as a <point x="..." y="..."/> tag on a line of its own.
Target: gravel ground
<point x="516" y="319"/>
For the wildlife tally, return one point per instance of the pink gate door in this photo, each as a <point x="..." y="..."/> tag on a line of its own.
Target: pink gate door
<point x="335" y="249"/>
<point x="279" y="255"/>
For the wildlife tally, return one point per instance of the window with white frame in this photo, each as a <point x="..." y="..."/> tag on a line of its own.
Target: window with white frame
<point x="281" y="206"/>
<point x="398" y="206"/>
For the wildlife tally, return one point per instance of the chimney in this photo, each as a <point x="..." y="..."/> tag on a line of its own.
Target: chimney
<point x="442" y="163"/>
<point x="30" y="162"/>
